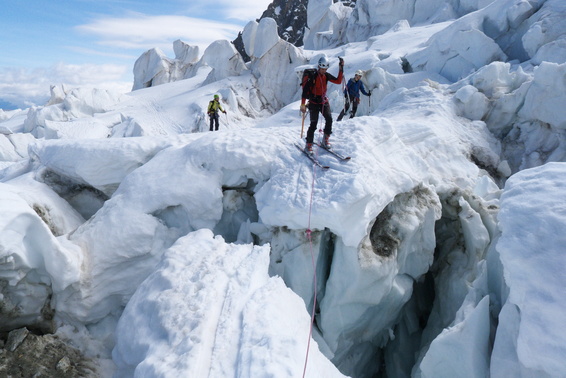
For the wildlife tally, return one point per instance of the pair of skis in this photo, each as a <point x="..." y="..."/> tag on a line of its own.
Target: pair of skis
<point x="315" y="160"/>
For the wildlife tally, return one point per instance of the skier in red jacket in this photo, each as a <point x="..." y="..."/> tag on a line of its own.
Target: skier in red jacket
<point x="314" y="90"/>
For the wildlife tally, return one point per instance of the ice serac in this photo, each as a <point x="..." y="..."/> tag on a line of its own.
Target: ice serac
<point x="163" y="334"/>
<point x="317" y="20"/>
<point x="152" y="224"/>
<point x="532" y="308"/>
<point x="325" y="21"/>
<point x="545" y="39"/>
<point x="35" y="264"/>
<point x="357" y="315"/>
<point x="224" y="60"/>
<point x="373" y="17"/>
<point x="152" y="68"/>
<point x="506" y="30"/>
<point x="265" y="38"/>
<point x="273" y="63"/>
<point x="544" y="99"/>
<point x="185" y="52"/>
<point x="460" y="318"/>
<point x="521" y="108"/>
<point x="457" y="60"/>
<point x="52" y="122"/>
<point x="249" y="36"/>
<point x="469" y="355"/>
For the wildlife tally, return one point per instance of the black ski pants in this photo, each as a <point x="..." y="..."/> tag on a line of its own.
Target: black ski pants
<point x="214" y="121"/>
<point x="347" y="106"/>
<point x="314" y="109"/>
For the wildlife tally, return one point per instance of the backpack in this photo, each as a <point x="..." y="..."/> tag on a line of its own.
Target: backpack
<point x="309" y="75"/>
<point x="307" y="82"/>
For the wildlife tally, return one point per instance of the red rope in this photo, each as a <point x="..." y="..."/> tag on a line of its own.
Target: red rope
<point x="313" y="305"/>
<point x="309" y="237"/>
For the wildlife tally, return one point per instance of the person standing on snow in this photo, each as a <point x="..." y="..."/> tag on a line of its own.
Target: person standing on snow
<point x="352" y="92"/>
<point x="213" y="108"/>
<point x="314" y="90"/>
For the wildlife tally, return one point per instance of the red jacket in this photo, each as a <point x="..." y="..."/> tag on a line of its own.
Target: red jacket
<point x="316" y="91"/>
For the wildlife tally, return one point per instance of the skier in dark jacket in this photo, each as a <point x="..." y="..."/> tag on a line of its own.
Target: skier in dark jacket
<point x="314" y="90"/>
<point x="352" y="93"/>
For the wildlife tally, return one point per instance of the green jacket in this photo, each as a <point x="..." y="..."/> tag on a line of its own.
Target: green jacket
<point x="214" y="106"/>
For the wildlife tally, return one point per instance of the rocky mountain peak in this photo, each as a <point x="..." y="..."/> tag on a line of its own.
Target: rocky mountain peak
<point x="291" y="19"/>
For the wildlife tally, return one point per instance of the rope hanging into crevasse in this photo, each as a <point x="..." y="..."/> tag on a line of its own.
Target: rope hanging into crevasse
<point x="309" y="238"/>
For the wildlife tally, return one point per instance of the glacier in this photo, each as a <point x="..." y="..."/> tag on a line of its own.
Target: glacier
<point x="160" y="249"/>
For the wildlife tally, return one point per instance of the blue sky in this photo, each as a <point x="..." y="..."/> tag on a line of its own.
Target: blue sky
<point x="96" y="42"/>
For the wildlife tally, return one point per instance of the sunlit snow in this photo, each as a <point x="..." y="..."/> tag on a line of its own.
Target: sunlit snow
<point x="166" y="250"/>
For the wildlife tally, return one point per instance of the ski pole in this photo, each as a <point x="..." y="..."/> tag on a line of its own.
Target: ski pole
<point x="303" y="124"/>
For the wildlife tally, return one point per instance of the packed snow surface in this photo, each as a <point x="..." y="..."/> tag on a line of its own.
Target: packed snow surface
<point x="161" y="249"/>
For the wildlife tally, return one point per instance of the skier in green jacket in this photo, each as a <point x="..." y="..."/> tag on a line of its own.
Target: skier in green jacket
<point x="213" y="108"/>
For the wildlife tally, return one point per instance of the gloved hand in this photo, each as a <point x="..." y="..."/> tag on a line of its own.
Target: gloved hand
<point x="341" y="64"/>
<point x="303" y="108"/>
<point x="369" y="93"/>
<point x="224" y="111"/>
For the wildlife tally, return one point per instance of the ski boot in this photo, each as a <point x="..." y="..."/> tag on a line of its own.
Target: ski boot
<point x="308" y="148"/>
<point x="326" y="142"/>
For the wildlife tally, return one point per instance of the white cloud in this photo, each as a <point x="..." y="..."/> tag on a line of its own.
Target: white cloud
<point x="241" y="10"/>
<point x="92" y="51"/>
<point x="127" y="38"/>
<point x="142" y="32"/>
<point x="26" y="87"/>
<point x="244" y="10"/>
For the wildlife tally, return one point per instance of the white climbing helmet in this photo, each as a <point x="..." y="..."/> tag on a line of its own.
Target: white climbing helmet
<point x="359" y="73"/>
<point x="323" y="62"/>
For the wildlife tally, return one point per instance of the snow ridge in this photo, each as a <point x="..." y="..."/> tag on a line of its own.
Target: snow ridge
<point x="161" y="249"/>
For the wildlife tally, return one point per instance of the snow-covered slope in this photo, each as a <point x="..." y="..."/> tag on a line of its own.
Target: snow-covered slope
<point x="162" y="249"/>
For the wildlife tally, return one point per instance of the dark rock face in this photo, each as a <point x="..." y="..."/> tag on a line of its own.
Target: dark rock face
<point x="24" y="354"/>
<point x="291" y="19"/>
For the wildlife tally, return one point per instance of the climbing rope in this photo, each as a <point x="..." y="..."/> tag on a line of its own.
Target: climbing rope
<point x="309" y="238"/>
